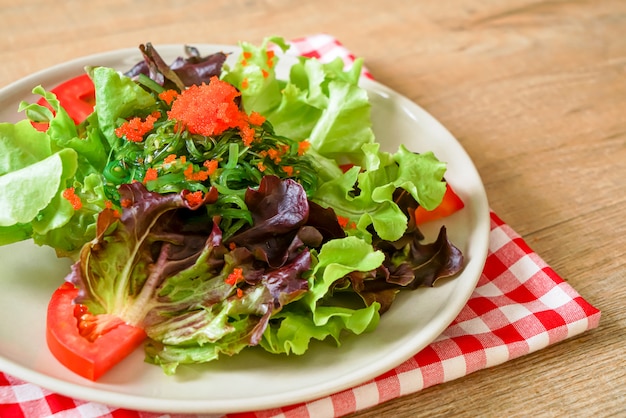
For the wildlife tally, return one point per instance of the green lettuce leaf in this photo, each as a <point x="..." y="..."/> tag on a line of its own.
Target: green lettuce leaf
<point x="21" y="145"/>
<point x="318" y="315"/>
<point x="319" y="102"/>
<point x="254" y="74"/>
<point x="324" y="104"/>
<point x="66" y="229"/>
<point x="418" y="174"/>
<point x="117" y="97"/>
<point x="64" y="133"/>
<point x="27" y="191"/>
<point x="32" y="178"/>
<point x="37" y="167"/>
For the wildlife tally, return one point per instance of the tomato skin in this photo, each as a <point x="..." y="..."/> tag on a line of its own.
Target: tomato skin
<point x="345" y="167"/>
<point x="87" y="359"/>
<point x="76" y="95"/>
<point x="450" y="204"/>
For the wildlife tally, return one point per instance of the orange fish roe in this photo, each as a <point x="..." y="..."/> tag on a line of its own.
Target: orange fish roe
<point x="194" y="198"/>
<point x="239" y="293"/>
<point x="270" y="58"/>
<point x="244" y="83"/>
<point x="247" y="135"/>
<point x="235" y="277"/>
<point x="274" y="154"/>
<point x="256" y="119"/>
<point x="261" y="166"/>
<point x="207" y="109"/>
<point x="170" y="159"/>
<point x="125" y="203"/>
<point x="168" y="96"/>
<point x="265" y="73"/>
<point x="288" y="170"/>
<point x="151" y="174"/>
<point x="246" y="56"/>
<point x="109" y="205"/>
<point x="71" y="197"/>
<point x="210" y="109"/>
<point x="345" y="222"/>
<point x="232" y="246"/>
<point x="303" y="146"/>
<point x="201" y="175"/>
<point x="135" y="128"/>
<point x="211" y="166"/>
<point x="188" y="172"/>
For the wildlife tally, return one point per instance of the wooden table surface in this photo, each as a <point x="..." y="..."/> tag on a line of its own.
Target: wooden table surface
<point x="534" y="90"/>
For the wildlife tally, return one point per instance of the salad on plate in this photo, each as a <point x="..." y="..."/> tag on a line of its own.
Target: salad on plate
<point x="209" y="207"/>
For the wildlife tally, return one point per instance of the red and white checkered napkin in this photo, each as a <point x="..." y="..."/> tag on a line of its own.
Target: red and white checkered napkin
<point x="519" y="306"/>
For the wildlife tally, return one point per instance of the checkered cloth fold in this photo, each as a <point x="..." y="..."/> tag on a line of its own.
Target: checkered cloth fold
<point x="520" y="305"/>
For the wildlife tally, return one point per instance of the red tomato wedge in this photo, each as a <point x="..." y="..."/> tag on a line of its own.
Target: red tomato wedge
<point x="77" y="96"/>
<point x="450" y="204"/>
<point x="346" y="167"/>
<point x="89" y="359"/>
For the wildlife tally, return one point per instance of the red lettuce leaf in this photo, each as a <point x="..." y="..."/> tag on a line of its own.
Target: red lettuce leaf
<point x="182" y="72"/>
<point x="282" y="221"/>
<point x="409" y="263"/>
<point x="163" y="266"/>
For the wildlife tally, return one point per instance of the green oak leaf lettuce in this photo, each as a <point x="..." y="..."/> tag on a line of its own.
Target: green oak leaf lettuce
<point x="35" y="170"/>
<point x="319" y="102"/>
<point x="366" y="195"/>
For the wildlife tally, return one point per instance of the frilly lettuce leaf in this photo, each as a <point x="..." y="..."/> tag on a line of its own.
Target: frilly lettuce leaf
<point x="254" y="74"/>
<point x="319" y="102"/>
<point x="317" y="315"/>
<point x="184" y="71"/>
<point x="37" y="167"/>
<point x="366" y="196"/>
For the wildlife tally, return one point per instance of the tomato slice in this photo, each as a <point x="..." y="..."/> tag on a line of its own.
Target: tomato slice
<point x="76" y="95"/>
<point x="89" y="359"/>
<point x="450" y="204"/>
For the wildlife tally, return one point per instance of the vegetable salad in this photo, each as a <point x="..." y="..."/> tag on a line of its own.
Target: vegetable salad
<point x="209" y="207"/>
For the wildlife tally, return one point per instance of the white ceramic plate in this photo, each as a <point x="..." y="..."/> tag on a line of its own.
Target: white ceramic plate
<point x="252" y="380"/>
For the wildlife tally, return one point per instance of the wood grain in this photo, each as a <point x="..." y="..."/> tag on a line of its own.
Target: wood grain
<point x="534" y="90"/>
